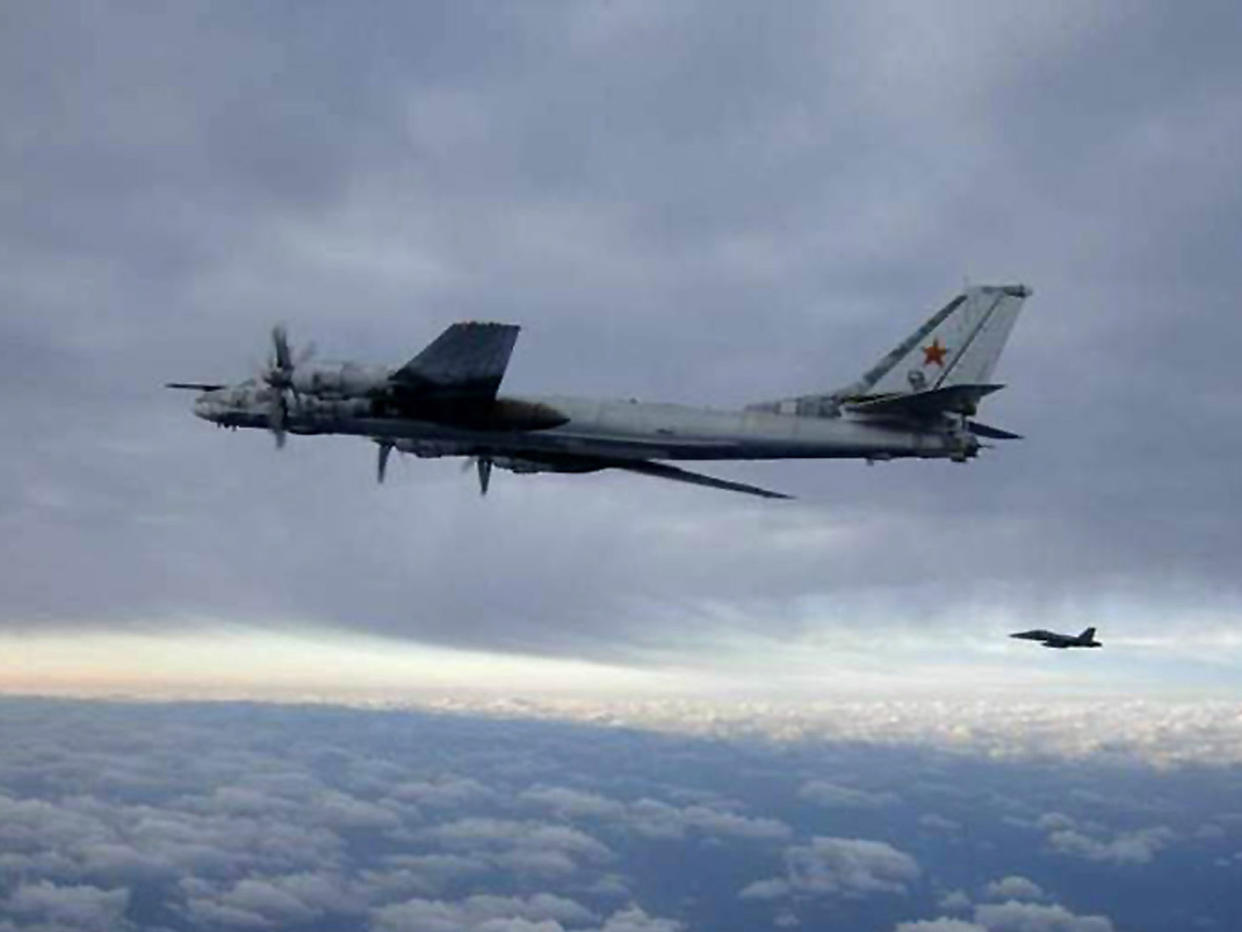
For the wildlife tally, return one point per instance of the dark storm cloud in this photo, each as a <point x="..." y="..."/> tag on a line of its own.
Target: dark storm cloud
<point x="694" y="202"/>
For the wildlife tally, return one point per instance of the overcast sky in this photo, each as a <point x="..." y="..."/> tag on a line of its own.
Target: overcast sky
<point x="704" y="202"/>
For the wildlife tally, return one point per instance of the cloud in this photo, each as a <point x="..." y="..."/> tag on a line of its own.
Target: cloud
<point x="1013" y="917"/>
<point x="848" y="867"/>
<point x="1138" y="847"/>
<point x="571" y="803"/>
<point x="184" y="815"/>
<point x="271" y="902"/>
<point x="524" y="847"/>
<point x="1031" y="917"/>
<point x="634" y="919"/>
<point x="955" y="900"/>
<point x="447" y="792"/>
<point x="1013" y="887"/>
<point x="938" y="823"/>
<point x="78" y="907"/>
<point x="835" y="796"/>
<point x="939" y="925"/>
<point x="656" y="819"/>
<point x="542" y="913"/>
<point x="771" y="889"/>
<point x="653" y="818"/>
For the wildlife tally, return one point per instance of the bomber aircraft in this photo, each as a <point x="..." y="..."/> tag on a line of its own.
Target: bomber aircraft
<point x="917" y="401"/>
<point x="1052" y="639"/>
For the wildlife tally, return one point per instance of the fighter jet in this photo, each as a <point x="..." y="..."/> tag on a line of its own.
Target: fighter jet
<point x="916" y="401"/>
<point x="1052" y="639"/>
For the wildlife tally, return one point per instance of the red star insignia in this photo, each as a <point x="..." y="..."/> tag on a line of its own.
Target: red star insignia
<point x="934" y="353"/>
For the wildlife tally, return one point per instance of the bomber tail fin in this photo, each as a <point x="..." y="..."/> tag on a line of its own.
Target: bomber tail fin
<point x="958" y="345"/>
<point x="944" y="365"/>
<point x="1088" y="635"/>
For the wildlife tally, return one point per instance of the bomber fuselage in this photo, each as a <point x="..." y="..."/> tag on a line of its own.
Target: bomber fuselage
<point x="621" y="429"/>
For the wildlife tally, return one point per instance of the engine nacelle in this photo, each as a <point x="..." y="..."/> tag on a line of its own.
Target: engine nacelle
<point x="346" y="380"/>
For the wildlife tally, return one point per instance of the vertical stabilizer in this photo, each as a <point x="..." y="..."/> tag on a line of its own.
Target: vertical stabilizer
<point x="958" y="345"/>
<point x="1088" y="635"/>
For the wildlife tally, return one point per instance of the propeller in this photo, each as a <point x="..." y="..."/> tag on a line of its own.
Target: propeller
<point x="381" y="466"/>
<point x="196" y="386"/>
<point x="279" y="376"/>
<point x="483" y="466"/>
<point x="277" y="414"/>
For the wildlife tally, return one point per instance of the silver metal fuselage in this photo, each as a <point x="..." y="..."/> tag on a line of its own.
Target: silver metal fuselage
<point x="620" y="429"/>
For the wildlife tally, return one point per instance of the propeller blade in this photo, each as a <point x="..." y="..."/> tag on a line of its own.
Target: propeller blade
<point x="485" y="473"/>
<point x="385" y="449"/>
<point x="276" y="413"/>
<point x="196" y="386"/>
<point x="280" y="344"/>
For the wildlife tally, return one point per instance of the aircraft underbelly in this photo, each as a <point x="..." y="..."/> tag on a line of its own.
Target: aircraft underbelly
<point x="708" y="437"/>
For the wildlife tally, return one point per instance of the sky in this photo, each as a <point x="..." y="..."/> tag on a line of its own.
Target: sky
<point x="712" y="203"/>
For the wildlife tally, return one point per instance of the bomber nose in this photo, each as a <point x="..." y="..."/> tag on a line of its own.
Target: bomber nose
<point x="205" y="407"/>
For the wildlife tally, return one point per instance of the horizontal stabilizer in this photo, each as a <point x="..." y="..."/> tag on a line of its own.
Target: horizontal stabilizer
<point x="992" y="433"/>
<point x="664" y="471"/>
<point x="953" y="399"/>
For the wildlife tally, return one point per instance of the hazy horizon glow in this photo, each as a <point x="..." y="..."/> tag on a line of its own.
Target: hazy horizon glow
<point x="213" y="658"/>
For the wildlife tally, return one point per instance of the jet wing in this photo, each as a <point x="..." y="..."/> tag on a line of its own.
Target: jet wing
<point x="464" y="363"/>
<point x="664" y="471"/>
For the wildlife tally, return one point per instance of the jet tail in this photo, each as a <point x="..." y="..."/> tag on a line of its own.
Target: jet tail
<point x="1088" y="635"/>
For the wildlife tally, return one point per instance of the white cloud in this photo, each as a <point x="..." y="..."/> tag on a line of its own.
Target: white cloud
<point x="943" y="924"/>
<point x="938" y="823"/>
<point x="955" y="900"/>
<point x="634" y="919"/>
<point x="851" y="867"/>
<point x="1138" y="847"/>
<point x="448" y="792"/>
<point x="1054" y="821"/>
<point x="70" y="907"/>
<point x="1031" y="917"/>
<point x="1013" y="887"/>
<point x="267" y="902"/>
<point x="573" y="803"/>
<point x="654" y="818"/>
<point x="770" y="889"/>
<point x="835" y="796"/>
<point x="241" y="821"/>
<point x="539" y="913"/>
<point x="524" y="847"/>
<point x="1164" y="733"/>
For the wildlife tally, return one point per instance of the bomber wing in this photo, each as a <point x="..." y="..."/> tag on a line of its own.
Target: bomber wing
<point x="665" y="471"/>
<point x="464" y="363"/>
